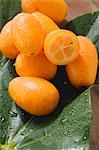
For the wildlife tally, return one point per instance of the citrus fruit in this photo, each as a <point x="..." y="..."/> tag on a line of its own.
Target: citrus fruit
<point x="27" y="34"/>
<point x="55" y="9"/>
<point x="47" y="24"/>
<point x="82" y="71"/>
<point x="61" y="47"/>
<point x="35" y="95"/>
<point x="7" y="46"/>
<point x="38" y="66"/>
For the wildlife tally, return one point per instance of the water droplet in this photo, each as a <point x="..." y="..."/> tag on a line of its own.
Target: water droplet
<point x="49" y="135"/>
<point x="2" y="119"/>
<point x="76" y="140"/>
<point x="73" y="110"/>
<point x="65" y="133"/>
<point x="45" y="133"/>
<point x="85" y="138"/>
<point x="23" y="134"/>
<point x="87" y="100"/>
<point x="10" y="112"/>
<point x="1" y="64"/>
<point x="13" y="114"/>
<point x="63" y="120"/>
<point x="65" y="83"/>
<point x="86" y="94"/>
<point x="76" y="121"/>
<point x="7" y="122"/>
<point x="73" y="107"/>
<point x="70" y="112"/>
<point x="70" y="130"/>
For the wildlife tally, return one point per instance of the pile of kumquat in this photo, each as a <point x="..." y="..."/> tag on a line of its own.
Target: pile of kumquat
<point x="38" y="46"/>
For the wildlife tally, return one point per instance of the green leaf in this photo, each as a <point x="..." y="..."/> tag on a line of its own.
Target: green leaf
<point x="5" y="100"/>
<point x="70" y="130"/>
<point x="64" y="128"/>
<point x="8" y="9"/>
<point x="81" y="25"/>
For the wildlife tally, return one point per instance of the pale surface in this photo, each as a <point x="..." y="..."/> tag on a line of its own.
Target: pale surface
<point x="79" y="7"/>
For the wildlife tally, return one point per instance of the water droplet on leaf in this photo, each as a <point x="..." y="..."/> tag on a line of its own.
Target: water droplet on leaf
<point x="86" y="94"/>
<point x="13" y="114"/>
<point x="23" y="134"/>
<point x="85" y="137"/>
<point x="65" y="133"/>
<point x="63" y="120"/>
<point x="87" y="100"/>
<point x="49" y="135"/>
<point x="2" y="119"/>
<point x="45" y="133"/>
<point x="76" y="140"/>
<point x="70" y="112"/>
